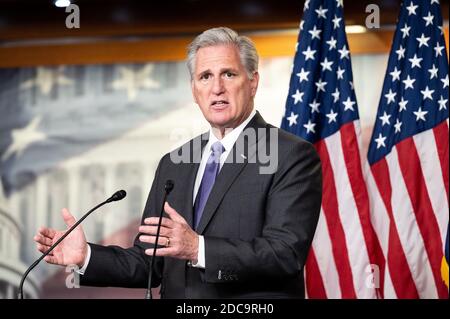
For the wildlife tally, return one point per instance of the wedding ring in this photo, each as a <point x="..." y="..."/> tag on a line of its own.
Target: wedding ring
<point x="168" y="242"/>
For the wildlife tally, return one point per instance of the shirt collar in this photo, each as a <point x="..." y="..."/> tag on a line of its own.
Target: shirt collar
<point x="231" y="137"/>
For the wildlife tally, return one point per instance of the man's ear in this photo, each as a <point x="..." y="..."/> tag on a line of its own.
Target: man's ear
<point x="254" y="83"/>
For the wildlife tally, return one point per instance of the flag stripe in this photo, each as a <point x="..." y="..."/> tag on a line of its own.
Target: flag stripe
<point x="361" y="197"/>
<point x="409" y="231"/>
<point x="337" y="234"/>
<point x="379" y="215"/>
<point x="434" y="181"/>
<point x="400" y="273"/>
<point x="441" y="137"/>
<point x="348" y="212"/>
<point x="312" y="275"/>
<point x="412" y="173"/>
<point x="323" y="251"/>
<point x="389" y="291"/>
<point x="381" y="222"/>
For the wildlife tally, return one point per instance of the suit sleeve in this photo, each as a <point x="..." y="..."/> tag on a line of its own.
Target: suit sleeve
<point x="115" y="266"/>
<point x="292" y="213"/>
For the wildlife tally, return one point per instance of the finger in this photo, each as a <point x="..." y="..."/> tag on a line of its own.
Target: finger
<point x="167" y="251"/>
<point x="173" y="214"/>
<point x="43" y="249"/>
<point x="68" y="218"/>
<point x="166" y="222"/>
<point x="42" y="240"/>
<point x="162" y="252"/>
<point x="47" y="232"/>
<point x="52" y="260"/>
<point x="162" y="241"/>
<point x="152" y="230"/>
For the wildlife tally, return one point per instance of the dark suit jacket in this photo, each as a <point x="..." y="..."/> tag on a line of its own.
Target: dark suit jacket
<point x="257" y="227"/>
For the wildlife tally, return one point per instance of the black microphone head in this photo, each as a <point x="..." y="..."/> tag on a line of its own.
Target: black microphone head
<point x="169" y="186"/>
<point x="119" y="195"/>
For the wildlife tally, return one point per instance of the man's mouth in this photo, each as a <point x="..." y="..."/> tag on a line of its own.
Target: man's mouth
<point x="219" y="104"/>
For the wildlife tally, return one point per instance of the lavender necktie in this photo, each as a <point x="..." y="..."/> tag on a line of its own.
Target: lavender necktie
<point x="209" y="176"/>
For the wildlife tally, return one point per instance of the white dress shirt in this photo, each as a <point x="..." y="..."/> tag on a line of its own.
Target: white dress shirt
<point x="228" y="142"/>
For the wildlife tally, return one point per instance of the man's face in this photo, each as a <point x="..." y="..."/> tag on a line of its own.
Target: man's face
<point x="221" y="86"/>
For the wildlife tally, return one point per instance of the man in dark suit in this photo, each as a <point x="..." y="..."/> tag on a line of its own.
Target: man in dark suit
<point x="245" y="204"/>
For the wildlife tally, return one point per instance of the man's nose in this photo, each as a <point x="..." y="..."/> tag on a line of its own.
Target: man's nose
<point x="218" y="86"/>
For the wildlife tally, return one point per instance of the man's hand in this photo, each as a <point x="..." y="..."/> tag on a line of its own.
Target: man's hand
<point x="71" y="251"/>
<point x="176" y="235"/>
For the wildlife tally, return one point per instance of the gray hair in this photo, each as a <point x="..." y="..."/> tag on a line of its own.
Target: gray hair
<point x="224" y="36"/>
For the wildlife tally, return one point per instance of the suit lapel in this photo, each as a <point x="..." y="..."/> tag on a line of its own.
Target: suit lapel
<point x="196" y="149"/>
<point x="231" y="170"/>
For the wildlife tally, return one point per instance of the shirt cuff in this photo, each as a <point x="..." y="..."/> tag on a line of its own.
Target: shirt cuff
<point x="201" y="253"/>
<point x="86" y="261"/>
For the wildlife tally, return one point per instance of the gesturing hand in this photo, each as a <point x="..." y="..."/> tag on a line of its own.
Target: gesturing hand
<point x="177" y="237"/>
<point x="71" y="251"/>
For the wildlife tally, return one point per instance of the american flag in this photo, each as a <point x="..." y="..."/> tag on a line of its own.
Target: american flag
<point x="408" y="155"/>
<point x="321" y="108"/>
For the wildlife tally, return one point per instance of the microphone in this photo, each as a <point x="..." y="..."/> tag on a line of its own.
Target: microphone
<point x="115" y="197"/>
<point x="168" y="187"/>
<point x="119" y="195"/>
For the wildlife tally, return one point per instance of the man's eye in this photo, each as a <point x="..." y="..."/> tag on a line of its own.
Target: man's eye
<point x="229" y="74"/>
<point x="205" y="76"/>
